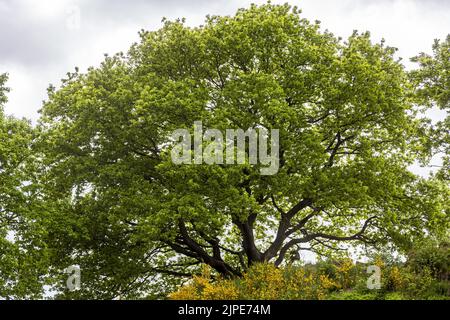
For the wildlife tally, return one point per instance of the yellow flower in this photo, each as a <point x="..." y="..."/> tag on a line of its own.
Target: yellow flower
<point x="327" y="283"/>
<point x="396" y="278"/>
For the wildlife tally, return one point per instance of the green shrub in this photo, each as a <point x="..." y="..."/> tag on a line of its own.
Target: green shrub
<point x="433" y="257"/>
<point x="353" y="295"/>
<point x="395" y="296"/>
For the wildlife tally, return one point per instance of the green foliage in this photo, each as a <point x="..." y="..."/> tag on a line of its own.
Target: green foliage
<point x="23" y="261"/>
<point x="94" y="184"/>
<point x="435" y="258"/>
<point x="126" y="214"/>
<point x="432" y="88"/>
<point x="312" y="282"/>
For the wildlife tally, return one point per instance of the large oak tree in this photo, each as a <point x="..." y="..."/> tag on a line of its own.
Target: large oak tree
<point x="133" y="220"/>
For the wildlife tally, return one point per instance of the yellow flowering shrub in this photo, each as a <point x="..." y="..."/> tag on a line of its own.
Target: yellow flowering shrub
<point x="379" y="262"/>
<point x="395" y="279"/>
<point x="202" y="287"/>
<point x="186" y="292"/>
<point x="344" y="270"/>
<point x="261" y="282"/>
<point x="327" y="283"/>
<point x="337" y="279"/>
<point x="264" y="281"/>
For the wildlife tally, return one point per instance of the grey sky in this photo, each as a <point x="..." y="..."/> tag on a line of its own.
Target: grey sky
<point x="42" y="40"/>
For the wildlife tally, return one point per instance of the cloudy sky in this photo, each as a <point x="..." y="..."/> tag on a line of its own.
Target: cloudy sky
<point x="42" y="40"/>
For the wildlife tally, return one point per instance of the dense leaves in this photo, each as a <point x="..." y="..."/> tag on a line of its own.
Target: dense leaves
<point x="347" y="136"/>
<point x="432" y="84"/>
<point x="99" y="188"/>
<point x="22" y="253"/>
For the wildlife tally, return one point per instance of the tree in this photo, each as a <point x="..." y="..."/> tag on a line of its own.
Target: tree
<point x="348" y="131"/>
<point x="22" y="259"/>
<point x="432" y="84"/>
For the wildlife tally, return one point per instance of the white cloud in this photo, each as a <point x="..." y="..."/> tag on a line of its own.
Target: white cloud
<point x="38" y="46"/>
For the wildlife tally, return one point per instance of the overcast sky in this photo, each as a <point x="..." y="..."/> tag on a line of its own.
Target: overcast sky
<point x="42" y="40"/>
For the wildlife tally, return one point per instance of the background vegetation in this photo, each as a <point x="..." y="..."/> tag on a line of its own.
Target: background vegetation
<point x="424" y="276"/>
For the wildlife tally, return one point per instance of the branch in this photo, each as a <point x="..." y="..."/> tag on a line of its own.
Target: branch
<point x="300" y="224"/>
<point x="215" y="261"/>
<point x="248" y="238"/>
<point x="356" y="236"/>
<point x="276" y="206"/>
<point x="335" y="149"/>
<point x="308" y="238"/>
<point x="298" y="207"/>
<point x="283" y="226"/>
<point x="313" y="121"/>
<point x="172" y="273"/>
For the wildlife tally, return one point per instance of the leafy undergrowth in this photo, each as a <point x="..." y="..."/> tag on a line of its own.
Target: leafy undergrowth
<point x="423" y="276"/>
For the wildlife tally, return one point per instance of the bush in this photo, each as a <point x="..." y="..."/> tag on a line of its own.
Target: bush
<point x="261" y="282"/>
<point x="395" y="296"/>
<point x="330" y="279"/>
<point x="432" y="257"/>
<point x="201" y="287"/>
<point x="353" y="295"/>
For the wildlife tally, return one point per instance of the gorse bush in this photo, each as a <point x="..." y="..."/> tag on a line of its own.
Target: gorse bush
<point x="332" y="280"/>
<point x="262" y="282"/>
<point x="202" y="287"/>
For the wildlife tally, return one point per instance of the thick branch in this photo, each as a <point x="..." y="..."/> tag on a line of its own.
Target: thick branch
<point x="248" y="239"/>
<point x="196" y="251"/>
<point x="285" y="223"/>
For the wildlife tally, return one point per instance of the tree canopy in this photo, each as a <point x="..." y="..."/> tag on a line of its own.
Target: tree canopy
<point x="432" y="83"/>
<point x="112" y="201"/>
<point x="22" y="266"/>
